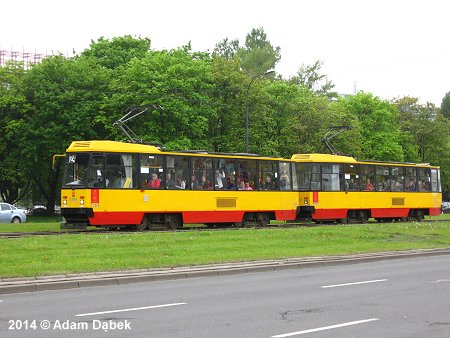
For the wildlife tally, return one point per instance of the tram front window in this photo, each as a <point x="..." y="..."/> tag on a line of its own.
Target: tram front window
<point x="76" y="170"/>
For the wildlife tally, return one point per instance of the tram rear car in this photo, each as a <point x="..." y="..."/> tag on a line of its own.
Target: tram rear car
<point x="341" y="189"/>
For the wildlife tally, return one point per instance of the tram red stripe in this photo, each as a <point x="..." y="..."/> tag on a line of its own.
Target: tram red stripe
<point x="435" y="211"/>
<point x="375" y="213"/>
<point x="108" y="218"/>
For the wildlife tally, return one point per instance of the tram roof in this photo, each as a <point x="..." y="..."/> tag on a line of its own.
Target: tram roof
<point x="124" y="147"/>
<point x="111" y="146"/>
<point x="323" y="158"/>
<point x="329" y="158"/>
<point x="116" y="146"/>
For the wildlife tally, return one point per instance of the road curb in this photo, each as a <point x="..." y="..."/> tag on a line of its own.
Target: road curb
<point x="71" y="281"/>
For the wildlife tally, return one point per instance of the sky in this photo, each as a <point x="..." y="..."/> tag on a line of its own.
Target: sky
<point x="390" y="48"/>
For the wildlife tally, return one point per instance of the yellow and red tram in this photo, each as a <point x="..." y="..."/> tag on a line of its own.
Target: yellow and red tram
<point x="342" y="189"/>
<point x="119" y="184"/>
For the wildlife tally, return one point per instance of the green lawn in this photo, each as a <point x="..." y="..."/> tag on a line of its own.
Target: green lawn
<point x="48" y="255"/>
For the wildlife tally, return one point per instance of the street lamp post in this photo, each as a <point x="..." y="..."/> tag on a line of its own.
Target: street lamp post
<point x="267" y="72"/>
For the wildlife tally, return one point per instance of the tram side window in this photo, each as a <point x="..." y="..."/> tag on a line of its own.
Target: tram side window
<point x="397" y="179"/>
<point x="177" y="172"/>
<point x="224" y="174"/>
<point x="382" y="178"/>
<point x="151" y="171"/>
<point x="351" y="177"/>
<point x="367" y="177"/>
<point x="439" y="180"/>
<point x="331" y="177"/>
<point x="247" y="175"/>
<point x="294" y="177"/>
<point x="285" y="176"/>
<point x="315" y="177"/>
<point x="434" y="180"/>
<point x="411" y="179"/>
<point x="268" y="175"/>
<point x="424" y="180"/>
<point x="120" y="171"/>
<point x="202" y="175"/>
<point x="303" y="174"/>
<point x="97" y="177"/>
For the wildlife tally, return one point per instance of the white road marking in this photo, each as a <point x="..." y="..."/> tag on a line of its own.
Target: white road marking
<point x="126" y="310"/>
<point x="365" y="282"/>
<point x="440" y="281"/>
<point x="325" y="328"/>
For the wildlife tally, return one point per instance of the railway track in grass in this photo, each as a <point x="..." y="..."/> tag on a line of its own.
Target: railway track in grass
<point x="118" y="230"/>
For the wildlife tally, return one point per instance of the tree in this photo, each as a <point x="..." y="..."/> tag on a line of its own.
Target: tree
<point x="378" y="121"/>
<point x="13" y="105"/>
<point x="226" y="125"/>
<point x="65" y="97"/>
<point x="429" y="132"/>
<point x="308" y="76"/>
<point x="445" y="105"/>
<point x="227" y="48"/>
<point x="117" y="51"/>
<point x="425" y="124"/>
<point x="179" y="82"/>
<point x="258" y="55"/>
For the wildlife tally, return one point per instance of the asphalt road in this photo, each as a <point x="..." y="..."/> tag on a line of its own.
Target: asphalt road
<point x="392" y="298"/>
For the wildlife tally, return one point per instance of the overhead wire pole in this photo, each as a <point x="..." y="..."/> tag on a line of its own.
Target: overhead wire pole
<point x="267" y="72"/>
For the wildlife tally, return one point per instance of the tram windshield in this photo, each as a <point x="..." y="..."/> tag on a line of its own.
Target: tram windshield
<point x="76" y="170"/>
<point x="100" y="170"/>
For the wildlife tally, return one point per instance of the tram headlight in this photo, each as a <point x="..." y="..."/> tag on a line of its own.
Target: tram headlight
<point x="305" y="201"/>
<point x="65" y="202"/>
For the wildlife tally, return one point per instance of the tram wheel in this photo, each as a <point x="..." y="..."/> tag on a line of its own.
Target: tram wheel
<point x="419" y="216"/>
<point x="262" y="219"/>
<point x="363" y="218"/>
<point x="141" y="227"/>
<point x="173" y="221"/>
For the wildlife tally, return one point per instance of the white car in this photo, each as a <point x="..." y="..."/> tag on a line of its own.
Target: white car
<point x="10" y="214"/>
<point x="446" y="207"/>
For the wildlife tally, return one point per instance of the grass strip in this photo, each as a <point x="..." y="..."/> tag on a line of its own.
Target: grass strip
<point x="52" y="223"/>
<point x="50" y="255"/>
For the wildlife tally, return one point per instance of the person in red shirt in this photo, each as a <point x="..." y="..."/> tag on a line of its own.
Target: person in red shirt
<point x="368" y="186"/>
<point x="155" y="183"/>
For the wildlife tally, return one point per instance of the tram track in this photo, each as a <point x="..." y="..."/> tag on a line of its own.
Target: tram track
<point x="113" y="230"/>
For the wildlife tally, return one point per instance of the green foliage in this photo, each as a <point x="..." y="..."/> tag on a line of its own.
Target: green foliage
<point x="178" y="83"/>
<point x="308" y="76"/>
<point x="258" y="55"/>
<point x="445" y="105"/>
<point x="379" y="128"/>
<point x="429" y="133"/>
<point x="117" y="51"/>
<point x="428" y="129"/>
<point x="13" y="106"/>
<point x="227" y="121"/>
<point x="227" y="48"/>
<point x="65" y="96"/>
